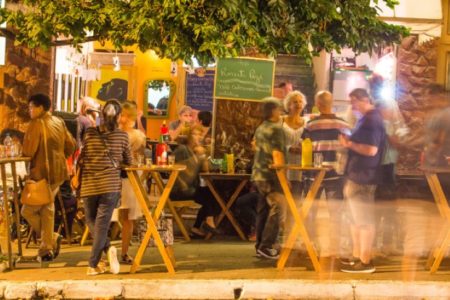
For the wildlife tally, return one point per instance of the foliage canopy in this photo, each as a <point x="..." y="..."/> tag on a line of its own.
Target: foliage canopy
<point x="180" y="29"/>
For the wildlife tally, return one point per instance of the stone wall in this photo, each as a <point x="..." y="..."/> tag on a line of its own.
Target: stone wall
<point x="417" y="95"/>
<point x="26" y="72"/>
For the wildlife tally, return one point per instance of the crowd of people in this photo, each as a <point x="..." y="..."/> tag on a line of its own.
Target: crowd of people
<point x="109" y="138"/>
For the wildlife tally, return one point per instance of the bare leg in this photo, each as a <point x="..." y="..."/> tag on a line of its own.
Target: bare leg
<point x="356" y="241"/>
<point x="127" y="230"/>
<point x="366" y="237"/>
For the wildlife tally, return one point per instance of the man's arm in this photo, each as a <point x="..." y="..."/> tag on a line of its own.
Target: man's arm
<point x="32" y="139"/>
<point x="363" y="149"/>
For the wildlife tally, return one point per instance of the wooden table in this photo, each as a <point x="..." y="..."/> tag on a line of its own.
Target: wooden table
<point x="142" y="198"/>
<point x="299" y="223"/>
<point x="7" y="225"/>
<point x="225" y="206"/>
<point x="436" y="256"/>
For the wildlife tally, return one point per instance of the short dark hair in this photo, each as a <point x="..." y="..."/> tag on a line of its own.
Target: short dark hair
<point x="360" y="94"/>
<point x="40" y="100"/>
<point x="283" y="84"/>
<point x="270" y="104"/>
<point x="205" y="117"/>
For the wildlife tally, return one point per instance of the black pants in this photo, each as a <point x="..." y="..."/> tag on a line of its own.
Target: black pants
<point x="245" y="210"/>
<point x="205" y="198"/>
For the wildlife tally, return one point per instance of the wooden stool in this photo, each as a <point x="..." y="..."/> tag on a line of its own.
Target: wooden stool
<point x="182" y="206"/>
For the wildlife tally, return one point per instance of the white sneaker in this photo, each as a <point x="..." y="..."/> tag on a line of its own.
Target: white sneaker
<point x="95" y="271"/>
<point x="114" y="266"/>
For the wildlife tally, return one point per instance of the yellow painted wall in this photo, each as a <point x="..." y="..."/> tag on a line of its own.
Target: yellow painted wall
<point x="148" y="66"/>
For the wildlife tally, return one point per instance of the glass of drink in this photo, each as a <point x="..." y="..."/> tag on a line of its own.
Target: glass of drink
<point x="318" y="159"/>
<point x="171" y="160"/>
<point x="140" y="160"/>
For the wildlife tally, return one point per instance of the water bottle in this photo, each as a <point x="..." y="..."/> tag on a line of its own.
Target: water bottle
<point x="8" y="142"/>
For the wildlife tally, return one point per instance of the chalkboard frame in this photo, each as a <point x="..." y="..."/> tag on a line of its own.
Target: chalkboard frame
<point x="244" y="98"/>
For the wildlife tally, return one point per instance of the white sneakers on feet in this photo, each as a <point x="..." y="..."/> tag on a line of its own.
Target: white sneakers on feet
<point x="95" y="271"/>
<point x="114" y="266"/>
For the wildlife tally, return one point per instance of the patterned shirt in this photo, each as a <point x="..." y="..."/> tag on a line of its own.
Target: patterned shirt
<point x="324" y="133"/>
<point x="99" y="175"/>
<point x="269" y="136"/>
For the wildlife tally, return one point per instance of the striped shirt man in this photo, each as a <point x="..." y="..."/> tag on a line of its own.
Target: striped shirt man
<point x="99" y="174"/>
<point x="324" y="132"/>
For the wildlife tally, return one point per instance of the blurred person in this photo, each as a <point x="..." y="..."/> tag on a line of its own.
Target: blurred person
<point x="365" y="150"/>
<point x="293" y="125"/>
<point x="324" y="132"/>
<point x="286" y="87"/>
<point x="270" y="149"/>
<point x="89" y="112"/>
<point x="182" y="125"/>
<point x="187" y="186"/>
<point x="204" y="119"/>
<point x="105" y="149"/>
<point x="60" y="145"/>
<point x="129" y="209"/>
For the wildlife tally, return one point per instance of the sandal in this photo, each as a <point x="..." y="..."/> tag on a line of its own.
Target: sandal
<point x="126" y="259"/>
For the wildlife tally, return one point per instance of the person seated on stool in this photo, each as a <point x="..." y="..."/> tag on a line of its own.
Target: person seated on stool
<point x="187" y="185"/>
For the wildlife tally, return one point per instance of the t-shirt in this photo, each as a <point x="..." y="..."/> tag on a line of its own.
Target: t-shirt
<point x="324" y="132"/>
<point x="269" y="136"/>
<point x="369" y="130"/>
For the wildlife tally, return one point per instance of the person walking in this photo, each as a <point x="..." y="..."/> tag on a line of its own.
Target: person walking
<point x="46" y="131"/>
<point x="105" y="149"/>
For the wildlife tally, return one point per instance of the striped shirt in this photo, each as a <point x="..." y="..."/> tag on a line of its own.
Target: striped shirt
<point x="99" y="175"/>
<point x="324" y="133"/>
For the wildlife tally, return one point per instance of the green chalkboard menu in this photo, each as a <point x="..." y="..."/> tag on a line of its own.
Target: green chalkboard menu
<point x="244" y="78"/>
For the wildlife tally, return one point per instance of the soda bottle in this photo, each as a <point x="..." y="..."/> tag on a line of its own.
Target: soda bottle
<point x="8" y="142"/>
<point x="161" y="152"/>
<point x="164" y="131"/>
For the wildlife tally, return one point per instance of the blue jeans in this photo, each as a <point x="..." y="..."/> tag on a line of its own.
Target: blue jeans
<point x="99" y="210"/>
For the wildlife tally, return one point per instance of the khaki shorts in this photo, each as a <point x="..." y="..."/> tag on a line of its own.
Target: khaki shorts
<point x="361" y="202"/>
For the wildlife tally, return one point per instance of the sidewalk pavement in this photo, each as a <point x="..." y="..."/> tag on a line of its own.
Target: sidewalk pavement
<point x="218" y="269"/>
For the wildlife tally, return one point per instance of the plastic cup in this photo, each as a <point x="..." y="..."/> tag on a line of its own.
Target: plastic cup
<point x="318" y="159"/>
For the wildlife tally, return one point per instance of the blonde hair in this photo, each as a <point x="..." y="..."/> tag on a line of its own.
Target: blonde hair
<point x="287" y="100"/>
<point x="129" y="110"/>
<point x="184" y="109"/>
<point x="324" y="99"/>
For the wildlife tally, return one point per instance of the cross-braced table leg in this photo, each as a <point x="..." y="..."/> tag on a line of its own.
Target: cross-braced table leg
<point x="299" y="226"/>
<point x="151" y="220"/>
<point x="226" y="207"/>
<point x="172" y="209"/>
<point x="7" y="224"/>
<point x="437" y="254"/>
<point x="16" y="207"/>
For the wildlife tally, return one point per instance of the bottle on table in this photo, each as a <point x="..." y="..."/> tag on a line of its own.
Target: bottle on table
<point x="164" y="132"/>
<point x="161" y="152"/>
<point x="9" y="147"/>
<point x="307" y="153"/>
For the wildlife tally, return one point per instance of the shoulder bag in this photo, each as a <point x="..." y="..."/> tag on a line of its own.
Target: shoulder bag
<point x="39" y="193"/>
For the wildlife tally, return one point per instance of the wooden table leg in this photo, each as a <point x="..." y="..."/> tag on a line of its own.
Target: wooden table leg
<point x="225" y="207"/>
<point x="17" y="208"/>
<point x="442" y="204"/>
<point x="299" y="227"/>
<point x="172" y="209"/>
<point x="7" y="221"/>
<point x="151" y="224"/>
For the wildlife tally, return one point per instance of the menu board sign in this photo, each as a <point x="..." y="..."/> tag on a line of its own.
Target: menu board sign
<point x="199" y="91"/>
<point x="244" y="78"/>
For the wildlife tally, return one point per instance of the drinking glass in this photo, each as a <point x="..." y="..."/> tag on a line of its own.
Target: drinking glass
<point x="171" y="160"/>
<point x="318" y="159"/>
<point x="140" y="160"/>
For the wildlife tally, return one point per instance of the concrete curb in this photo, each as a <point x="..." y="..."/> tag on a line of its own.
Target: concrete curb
<point x="224" y="289"/>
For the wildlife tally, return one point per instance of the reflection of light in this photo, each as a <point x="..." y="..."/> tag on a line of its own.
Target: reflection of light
<point x="387" y="92"/>
<point x="385" y="66"/>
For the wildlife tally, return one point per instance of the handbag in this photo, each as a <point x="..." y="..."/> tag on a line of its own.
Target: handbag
<point x="75" y="181"/>
<point x="38" y="193"/>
